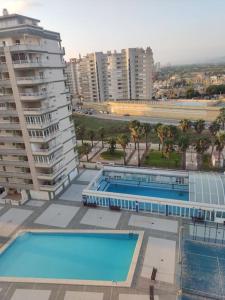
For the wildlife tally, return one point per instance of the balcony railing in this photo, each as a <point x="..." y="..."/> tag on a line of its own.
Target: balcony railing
<point x="42" y="124"/>
<point x="34" y="47"/>
<point x="33" y="96"/>
<point x="47" y="151"/>
<point x="38" y="110"/>
<point x="30" y="80"/>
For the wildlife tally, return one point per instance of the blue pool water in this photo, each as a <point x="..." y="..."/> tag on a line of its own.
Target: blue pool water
<point x="203" y="269"/>
<point x="81" y="256"/>
<point x="147" y="191"/>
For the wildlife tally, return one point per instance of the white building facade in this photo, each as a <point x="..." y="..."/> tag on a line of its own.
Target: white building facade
<point x="114" y="75"/>
<point x="37" y="134"/>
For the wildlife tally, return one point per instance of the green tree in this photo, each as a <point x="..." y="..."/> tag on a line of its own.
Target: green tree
<point x="156" y="131"/>
<point x="168" y="147"/>
<point x="185" y="125"/>
<point x="220" y="142"/>
<point x="221" y="118"/>
<point x="140" y="134"/>
<point x="80" y="130"/>
<point x="183" y="145"/>
<point x="123" y="141"/>
<point x="162" y="133"/>
<point x="201" y="145"/>
<point x="133" y="127"/>
<point x="91" y="135"/>
<point x="112" y="145"/>
<point x="191" y="93"/>
<point x="199" y="126"/>
<point x="101" y="133"/>
<point x="215" y="89"/>
<point x="85" y="149"/>
<point x="147" y="130"/>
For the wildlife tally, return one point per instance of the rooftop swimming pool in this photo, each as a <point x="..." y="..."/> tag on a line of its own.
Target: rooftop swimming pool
<point x="78" y="256"/>
<point x="167" y="191"/>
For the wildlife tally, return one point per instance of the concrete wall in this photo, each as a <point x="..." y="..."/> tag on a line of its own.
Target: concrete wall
<point x="164" y="110"/>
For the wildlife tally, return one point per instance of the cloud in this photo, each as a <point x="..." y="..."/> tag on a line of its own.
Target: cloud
<point x="18" y="6"/>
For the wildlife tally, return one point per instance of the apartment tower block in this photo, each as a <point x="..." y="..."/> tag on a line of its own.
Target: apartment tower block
<point x="37" y="134"/>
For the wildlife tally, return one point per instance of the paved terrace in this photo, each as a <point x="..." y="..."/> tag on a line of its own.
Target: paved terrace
<point x="159" y="248"/>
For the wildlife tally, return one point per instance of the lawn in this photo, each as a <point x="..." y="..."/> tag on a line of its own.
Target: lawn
<point x="112" y="156"/>
<point x="154" y="159"/>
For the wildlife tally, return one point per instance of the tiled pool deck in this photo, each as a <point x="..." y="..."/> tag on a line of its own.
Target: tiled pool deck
<point x="68" y="213"/>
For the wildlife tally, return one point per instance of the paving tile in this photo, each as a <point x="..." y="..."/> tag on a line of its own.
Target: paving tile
<point x="35" y="203"/>
<point x="135" y="297"/>
<point x="28" y="294"/>
<point x="83" y="296"/>
<point x="57" y="215"/>
<point x="87" y="175"/>
<point x="153" y="223"/>
<point x="12" y="219"/>
<point x="73" y="193"/>
<point x="160" y="253"/>
<point x="101" y="218"/>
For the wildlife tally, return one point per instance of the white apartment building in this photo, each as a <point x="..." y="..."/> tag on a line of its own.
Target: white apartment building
<point x="114" y="75"/>
<point x="37" y="134"/>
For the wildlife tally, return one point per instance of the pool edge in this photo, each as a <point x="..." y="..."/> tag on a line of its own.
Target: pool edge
<point x="126" y="283"/>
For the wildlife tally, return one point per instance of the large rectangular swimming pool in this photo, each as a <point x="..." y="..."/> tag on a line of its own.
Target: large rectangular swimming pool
<point x="77" y="256"/>
<point x="169" y="192"/>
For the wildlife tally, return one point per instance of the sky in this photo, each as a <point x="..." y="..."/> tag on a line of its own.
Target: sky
<point x="178" y="31"/>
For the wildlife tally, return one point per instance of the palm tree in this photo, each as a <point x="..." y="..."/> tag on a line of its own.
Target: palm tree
<point x="147" y="129"/>
<point x="183" y="144"/>
<point x="201" y="145"/>
<point x="85" y="149"/>
<point x="101" y="132"/>
<point x="80" y="130"/>
<point x="172" y="131"/>
<point x="221" y="118"/>
<point x="133" y="127"/>
<point x="140" y="133"/>
<point x="168" y="147"/>
<point x="123" y="141"/>
<point x="199" y="126"/>
<point x="162" y="132"/>
<point x="112" y="145"/>
<point x="91" y="135"/>
<point x="156" y="130"/>
<point x="185" y="124"/>
<point x="214" y="127"/>
<point x="220" y="142"/>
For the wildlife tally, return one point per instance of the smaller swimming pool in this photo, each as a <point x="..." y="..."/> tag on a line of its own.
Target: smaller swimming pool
<point x="165" y="191"/>
<point x="98" y="257"/>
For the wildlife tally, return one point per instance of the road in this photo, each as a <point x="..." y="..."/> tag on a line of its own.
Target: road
<point x="139" y="118"/>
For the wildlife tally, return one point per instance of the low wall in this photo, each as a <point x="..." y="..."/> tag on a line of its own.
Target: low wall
<point x="170" y="111"/>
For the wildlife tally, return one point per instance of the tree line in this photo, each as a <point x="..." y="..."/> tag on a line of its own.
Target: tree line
<point x="171" y="138"/>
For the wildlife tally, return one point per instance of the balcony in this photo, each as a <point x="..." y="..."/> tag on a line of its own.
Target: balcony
<point x="16" y="185"/>
<point x="52" y="187"/>
<point x="43" y="139"/>
<point x="34" y="48"/>
<point x="50" y="163"/>
<point x="6" y="126"/>
<point x="5" y="82"/>
<point x="11" y="139"/>
<point x="42" y="125"/>
<point x="17" y="163"/>
<point x="8" y="113"/>
<point x="13" y="151"/>
<point x="33" y="96"/>
<point x="6" y="98"/>
<point x="23" y="64"/>
<point x="36" y="111"/>
<point x="30" y="80"/>
<point x="15" y="174"/>
<point x="47" y="151"/>
<point x="51" y="176"/>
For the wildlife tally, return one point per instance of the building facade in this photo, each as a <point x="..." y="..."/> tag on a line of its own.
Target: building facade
<point x="37" y="134"/>
<point x="113" y="75"/>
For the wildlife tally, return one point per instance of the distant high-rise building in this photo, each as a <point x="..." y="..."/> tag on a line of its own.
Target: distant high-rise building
<point x="37" y="134"/>
<point x="113" y="75"/>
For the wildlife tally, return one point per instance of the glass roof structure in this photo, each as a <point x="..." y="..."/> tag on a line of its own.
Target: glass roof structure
<point x="207" y="188"/>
